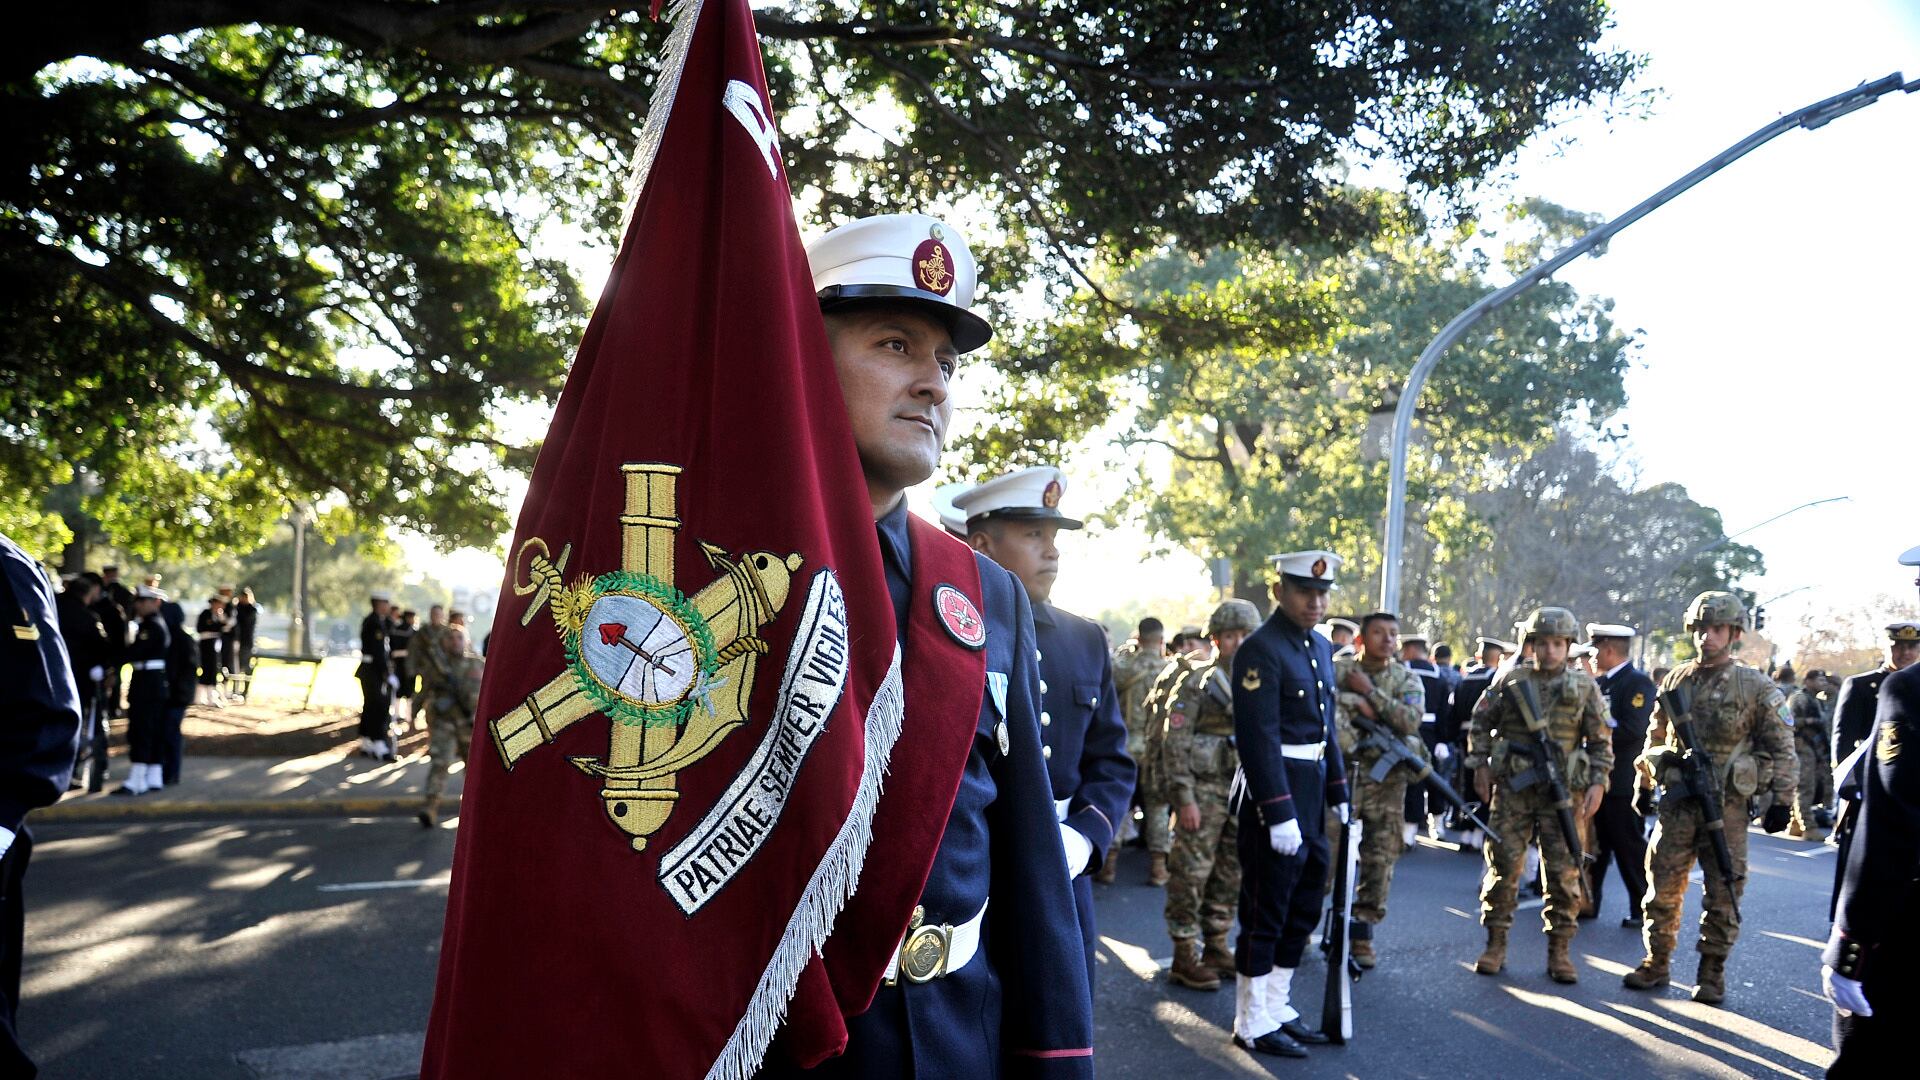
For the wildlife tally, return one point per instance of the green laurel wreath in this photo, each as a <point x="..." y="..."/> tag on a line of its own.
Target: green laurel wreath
<point x="616" y="706"/>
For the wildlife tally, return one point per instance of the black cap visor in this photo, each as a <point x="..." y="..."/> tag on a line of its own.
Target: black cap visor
<point x="1027" y="513"/>
<point x="969" y="331"/>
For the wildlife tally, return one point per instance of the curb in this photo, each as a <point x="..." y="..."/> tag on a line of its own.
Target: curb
<point x="138" y="809"/>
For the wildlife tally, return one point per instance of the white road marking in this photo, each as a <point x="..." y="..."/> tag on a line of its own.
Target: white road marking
<point x="375" y="1057"/>
<point x="403" y="883"/>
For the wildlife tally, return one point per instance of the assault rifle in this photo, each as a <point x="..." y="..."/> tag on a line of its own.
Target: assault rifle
<point x="1700" y="781"/>
<point x="1395" y="751"/>
<point x="1548" y="766"/>
<point x="1336" y="1008"/>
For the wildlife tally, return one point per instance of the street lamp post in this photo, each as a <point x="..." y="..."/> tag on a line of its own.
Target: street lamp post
<point x="1813" y="116"/>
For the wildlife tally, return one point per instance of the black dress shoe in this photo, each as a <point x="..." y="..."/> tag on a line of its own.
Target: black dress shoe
<point x="1273" y="1042"/>
<point x="1301" y="1033"/>
<point x="1631" y="922"/>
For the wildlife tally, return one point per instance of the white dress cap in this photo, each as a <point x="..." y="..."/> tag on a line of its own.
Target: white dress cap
<point x="1024" y="494"/>
<point x="1313" y="569"/>
<point x="1603" y="629"/>
<point x="910" y="258"/>
<point x="951" y="518"/>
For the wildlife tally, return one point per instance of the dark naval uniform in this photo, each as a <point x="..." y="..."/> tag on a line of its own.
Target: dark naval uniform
<point x="39" y="735"/>
<point x="1439" y="695"/>
<point x="1618" y="833"/>
<point x="1085" y="740"/>
<point x="1021" y="1005"/>
<point x="1853" y="716"/>
<point x="1875" y="938"/>
<point x="1283" y="706"/>
<point x="376" y="695"/>
<point x="147" y="694"/>
<point x="1474" y="680"/>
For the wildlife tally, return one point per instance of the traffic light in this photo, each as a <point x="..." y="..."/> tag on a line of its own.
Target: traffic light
<point x="1759" y="618"/>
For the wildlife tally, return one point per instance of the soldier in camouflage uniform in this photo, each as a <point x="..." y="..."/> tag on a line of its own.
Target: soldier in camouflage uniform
<point x="1810" y="746"/>
<point x="1135" y="667"/>
<point x="1741" y="720"/>
<point x="1197" y="762"/>
<point x="1164" y="686"/>
<point x="1574" y="719"/>
<point x="454" y="697"/>
<point x="1375" y="685"/>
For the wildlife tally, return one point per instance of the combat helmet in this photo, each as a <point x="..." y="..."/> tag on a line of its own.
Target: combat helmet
<point x="1715" y="608"/>
<point x="1235" y="614"/>
<point x="1551" y="621"/>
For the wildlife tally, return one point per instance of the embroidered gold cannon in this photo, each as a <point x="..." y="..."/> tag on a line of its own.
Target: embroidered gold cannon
<point x="673" y="674"/>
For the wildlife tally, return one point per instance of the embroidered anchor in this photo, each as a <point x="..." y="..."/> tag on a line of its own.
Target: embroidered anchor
<point x="671" y="673"/>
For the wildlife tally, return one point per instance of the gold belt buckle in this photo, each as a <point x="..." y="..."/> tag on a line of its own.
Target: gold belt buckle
<point x="924" y="951"/>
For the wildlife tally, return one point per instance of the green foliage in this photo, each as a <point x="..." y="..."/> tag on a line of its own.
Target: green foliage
<point x="1256" y="388"/>
<point x="294" y="255"/>
<point x="274" y="268"/>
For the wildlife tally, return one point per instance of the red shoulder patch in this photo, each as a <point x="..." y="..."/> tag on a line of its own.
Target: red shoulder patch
<point x="960" y="617"/>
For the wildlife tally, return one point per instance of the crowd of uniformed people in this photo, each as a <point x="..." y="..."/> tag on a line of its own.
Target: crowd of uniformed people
<point x="1241" y="754"/>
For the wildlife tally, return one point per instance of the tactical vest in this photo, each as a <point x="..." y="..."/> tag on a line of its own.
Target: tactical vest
<point x="1720" y="712"/>
<point x="1560" y="713"/>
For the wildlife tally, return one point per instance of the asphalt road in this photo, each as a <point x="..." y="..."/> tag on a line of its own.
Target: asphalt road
<point x="283" y="950"/>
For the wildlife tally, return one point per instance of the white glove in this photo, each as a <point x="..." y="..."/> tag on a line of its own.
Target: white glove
<point x="1343" y="811"/>
<point x="1441" y="752"/>
<point x="1079" y="850"/>
<point x="1846" y="994"/>
<point x="7" y="835"/>
<point x="393" y="681"/>
<point x="1284" y="837"/>
<point x="96" y="673"/>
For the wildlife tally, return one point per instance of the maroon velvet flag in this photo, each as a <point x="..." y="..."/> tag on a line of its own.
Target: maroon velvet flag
<point x="694" y="693"/>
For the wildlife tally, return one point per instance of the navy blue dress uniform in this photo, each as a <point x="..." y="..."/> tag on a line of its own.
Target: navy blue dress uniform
<point x="1874" y="947"/>
<point x="376" y="693"/>
<point x="1283" y="721"/>
<point x="1082" y="733"/>
<point x="1023" y="987"/>
<point x="1439" y="698"/>
<point x="39" y="736"/>
<point x="1474" y="680"/>
<point x="1085" y="740"/>
<point x="147" y="694"/>
<point x="1619" y="834"/>
<point x="1860" y="695"/>
<point x="1875" y="940"/>
<point x="90" y="652"/>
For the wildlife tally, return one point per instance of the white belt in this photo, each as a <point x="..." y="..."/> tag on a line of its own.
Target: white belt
<point x="1060" y="809"/>
<point x="1428" y="718"/>
<point x="398" y="653"/>
<point x="149" y="665"/>
<point x="929" y="952"/>
<point x="210" y="635"/>
<point x="1304" y="751"/>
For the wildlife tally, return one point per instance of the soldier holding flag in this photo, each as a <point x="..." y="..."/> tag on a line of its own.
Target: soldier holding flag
<point x="757" y="783"/>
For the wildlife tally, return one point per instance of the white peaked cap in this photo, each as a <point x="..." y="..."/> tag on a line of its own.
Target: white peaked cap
<point x="1024" y="494"/>
<point x="1313" y="569"/>
<point x="910" y="258"/>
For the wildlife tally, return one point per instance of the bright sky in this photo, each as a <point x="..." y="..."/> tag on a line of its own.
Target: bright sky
<point x="1776" y="301"/>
